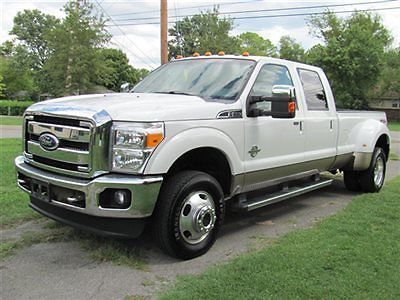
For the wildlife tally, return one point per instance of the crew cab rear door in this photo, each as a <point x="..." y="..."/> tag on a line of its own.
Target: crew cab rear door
<point x="320" y="118"/>
<point x="274" y="147"/>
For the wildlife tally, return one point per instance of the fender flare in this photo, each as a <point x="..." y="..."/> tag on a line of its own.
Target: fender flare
<point x="366" y="135"/>
<point x="172" y="149"/>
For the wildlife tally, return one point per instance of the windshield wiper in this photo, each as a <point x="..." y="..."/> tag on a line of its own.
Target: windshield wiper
<point x="180" y="93"/>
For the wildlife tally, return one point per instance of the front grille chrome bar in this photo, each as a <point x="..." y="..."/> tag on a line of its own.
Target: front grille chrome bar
<point x="75" y="134"/>
<point x="60" y="154"/>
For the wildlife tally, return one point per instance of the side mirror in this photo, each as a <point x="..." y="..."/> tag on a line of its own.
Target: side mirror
<point x="125" y="87"/>
<point x="282" y="103"/>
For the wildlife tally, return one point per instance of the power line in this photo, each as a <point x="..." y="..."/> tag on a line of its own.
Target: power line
<point x="274" y="16"/>
<point x="265" y="10"/>
<point x="124" y="34"/>
<point x="187" y="7"/>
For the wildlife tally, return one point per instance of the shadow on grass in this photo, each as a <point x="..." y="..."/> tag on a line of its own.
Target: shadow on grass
<point x="100" y="249"/>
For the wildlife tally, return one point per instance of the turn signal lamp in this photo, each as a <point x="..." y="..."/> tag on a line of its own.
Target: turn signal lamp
<point x="196" y="54"/>
<point x="208" y="53"/>
<point x="221" y="53"/>
<point x="179" y="57"/>
<point x="292" y="107"/>
<point x="245" y="53"/>
<point x="153" y="139"/>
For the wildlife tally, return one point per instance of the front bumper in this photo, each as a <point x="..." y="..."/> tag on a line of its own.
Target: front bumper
<point x="144" y="192"/>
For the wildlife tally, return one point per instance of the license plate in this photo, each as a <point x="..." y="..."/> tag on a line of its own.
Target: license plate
<point x="40" y="190"/>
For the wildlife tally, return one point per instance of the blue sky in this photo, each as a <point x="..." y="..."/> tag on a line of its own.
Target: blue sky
<point x="141" y="43"/>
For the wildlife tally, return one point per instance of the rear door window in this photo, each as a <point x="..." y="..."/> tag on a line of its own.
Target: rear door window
<point x="313" y="90"/>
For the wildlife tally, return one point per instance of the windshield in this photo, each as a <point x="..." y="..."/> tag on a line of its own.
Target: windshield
<point x="206" y="78"/>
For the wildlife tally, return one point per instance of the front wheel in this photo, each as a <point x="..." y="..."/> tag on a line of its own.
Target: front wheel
<point x="372" y="179"/>
<point x="189" y="213"/>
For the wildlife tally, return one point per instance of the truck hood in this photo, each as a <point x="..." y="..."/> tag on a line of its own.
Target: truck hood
<point x="133" y="107"/>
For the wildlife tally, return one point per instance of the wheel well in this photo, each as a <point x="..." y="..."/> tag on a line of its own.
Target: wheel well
<point x="209" y="160"/>
<point x="383" y="142"/>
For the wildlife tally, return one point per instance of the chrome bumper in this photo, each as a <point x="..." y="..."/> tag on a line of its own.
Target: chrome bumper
<point x="144" y="191"/>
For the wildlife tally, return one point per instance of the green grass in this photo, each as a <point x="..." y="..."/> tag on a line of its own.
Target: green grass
<point x="394" y="126"/>
<point x="394" y="156"/>
<point x="99" y="249"/>
<point x="354" y="254"/>
<point x="13" y="202"/>
<point x="10" y="120"/>
<point x="14" y="210"/>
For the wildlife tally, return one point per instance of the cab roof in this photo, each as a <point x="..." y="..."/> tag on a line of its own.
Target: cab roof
<point x="253" y="58"/>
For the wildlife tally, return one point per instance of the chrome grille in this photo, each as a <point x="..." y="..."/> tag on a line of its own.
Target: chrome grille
<point x="73" y="151"/>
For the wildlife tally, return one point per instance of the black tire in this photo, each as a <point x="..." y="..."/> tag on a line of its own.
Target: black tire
<point x="174" y="194"/>
<point x="367" y="177"/>
<point x="352" y="180"/>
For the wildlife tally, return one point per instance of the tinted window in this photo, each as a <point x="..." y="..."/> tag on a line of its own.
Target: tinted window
<point x="313" y="90"/>
<point x="207" y="78"/>
<point x="269" y="76"/>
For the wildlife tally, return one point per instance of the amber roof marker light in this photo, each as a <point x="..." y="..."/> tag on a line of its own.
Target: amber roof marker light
<point x="245" y="53"/>
<point x="179" y="56"/>
<point x="208" y="53"/>
<point x="221" y="53"/>
<point x="196" y="54"/>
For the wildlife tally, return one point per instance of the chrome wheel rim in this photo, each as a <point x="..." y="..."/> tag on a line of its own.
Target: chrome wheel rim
<point x="379" y="171"/>
<point x="197" y="217"/>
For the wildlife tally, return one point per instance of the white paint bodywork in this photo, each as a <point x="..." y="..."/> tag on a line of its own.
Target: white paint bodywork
<point x="351" y="132"/>
<point x="191" y="122"/>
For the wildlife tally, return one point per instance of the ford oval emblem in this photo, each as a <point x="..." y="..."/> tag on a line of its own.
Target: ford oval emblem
<point x="48" y="141"/>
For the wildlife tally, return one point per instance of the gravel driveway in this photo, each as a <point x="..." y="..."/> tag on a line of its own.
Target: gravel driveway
<point x="64" y="271"/>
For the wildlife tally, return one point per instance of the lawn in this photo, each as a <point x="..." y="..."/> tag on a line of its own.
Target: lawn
<point x="13" y="202"/>
<point x="10" y="120"/>
<point x="394" y="126"/>
<point x="354" y="254"/>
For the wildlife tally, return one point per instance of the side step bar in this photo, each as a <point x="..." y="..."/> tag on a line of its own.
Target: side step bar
<point x="245" y="204"/>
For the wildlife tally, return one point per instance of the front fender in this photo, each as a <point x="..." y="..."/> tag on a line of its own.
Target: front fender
<point x="173" y="148"/>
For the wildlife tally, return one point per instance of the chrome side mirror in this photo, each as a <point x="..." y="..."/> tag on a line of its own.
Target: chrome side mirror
<point x="282" y="103"/>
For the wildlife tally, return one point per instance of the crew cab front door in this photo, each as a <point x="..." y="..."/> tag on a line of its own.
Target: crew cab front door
<point x="273" y="146"/>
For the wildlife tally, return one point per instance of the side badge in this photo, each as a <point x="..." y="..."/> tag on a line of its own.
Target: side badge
<point x="254" y="151"/>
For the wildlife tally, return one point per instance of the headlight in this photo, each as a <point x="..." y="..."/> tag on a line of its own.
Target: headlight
<point x="133" y="143"/>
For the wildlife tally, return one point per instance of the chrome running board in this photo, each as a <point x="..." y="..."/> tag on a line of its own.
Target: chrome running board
<point x="245" y="204"/>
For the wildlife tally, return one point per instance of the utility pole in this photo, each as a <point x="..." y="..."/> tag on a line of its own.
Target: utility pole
<point x="164" y="31"/>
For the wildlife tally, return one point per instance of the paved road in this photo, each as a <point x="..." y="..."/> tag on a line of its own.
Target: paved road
<point x="10" y="131"/>
<point x="64" y="270"/>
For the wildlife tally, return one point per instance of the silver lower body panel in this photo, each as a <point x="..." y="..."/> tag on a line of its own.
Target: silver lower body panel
<point x="144" y="190"/>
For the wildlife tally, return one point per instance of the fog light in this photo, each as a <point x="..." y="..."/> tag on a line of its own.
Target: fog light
<point x="113" y="198"/>
<point x="121" y="198"/>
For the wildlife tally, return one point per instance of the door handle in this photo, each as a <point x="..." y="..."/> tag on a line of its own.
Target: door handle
<point x="297" y="123"/>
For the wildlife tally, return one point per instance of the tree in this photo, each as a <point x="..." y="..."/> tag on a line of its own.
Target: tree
<point x="31" y="28"/>
<point x="389" y="80"/>
<point x="289" y="49"/>
<point x="16" y="78"/>
<point x="116" y="70"/>
<point x="200" y="33"/>
<point x="16" y="70"/>
<point x="351" y="55"/>
<point x="2" y="86"/>
<point x="73" y="66"/>
<point x="256" y="44"/>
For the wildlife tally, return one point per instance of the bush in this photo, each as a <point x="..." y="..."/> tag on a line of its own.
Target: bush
<point x="13" y="108"/>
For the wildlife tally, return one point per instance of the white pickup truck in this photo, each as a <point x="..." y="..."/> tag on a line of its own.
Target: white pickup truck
<point x="195" y="135"/>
